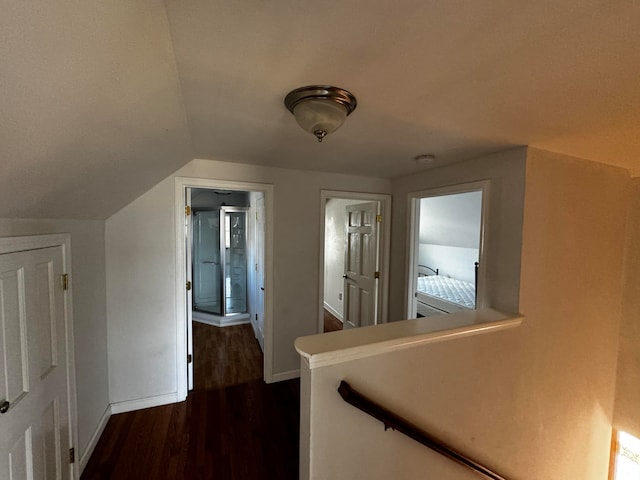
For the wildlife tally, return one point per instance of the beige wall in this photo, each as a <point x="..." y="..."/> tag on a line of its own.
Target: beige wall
<point x="506" y="171"/>
<point x="141" y="272"/>
<point x="626" y="415"/>
<point x="572" y="260"/>
<point x="89" y="309"/>
<point x="535" y="402"/>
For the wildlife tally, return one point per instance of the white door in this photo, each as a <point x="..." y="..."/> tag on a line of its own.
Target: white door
<point x="360" y="265"/>
<point x="34" y="438"/>
<point x="259" y="259"/>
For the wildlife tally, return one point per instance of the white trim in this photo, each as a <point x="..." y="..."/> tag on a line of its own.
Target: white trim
<point x="280" y="377"/>
<point x="181" y="183"/>
<point x="93" y="441"/>
<point x="333" y="312"/>
<point x="63" y="240"/>
<point x="189" y="278"/>
<point x="357" y="343"/>
<point x="33" y="242"/>
<point x="384" y="248"/>
<point x="140" y="403"/>
<point x="413" y="221"/>
<point x="221" y="322"/>
<point x="71" y="360"/>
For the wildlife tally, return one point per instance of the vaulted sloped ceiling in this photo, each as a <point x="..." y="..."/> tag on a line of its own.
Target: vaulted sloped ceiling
<point x="100" y="100"/>
<point x="91" y="112"/>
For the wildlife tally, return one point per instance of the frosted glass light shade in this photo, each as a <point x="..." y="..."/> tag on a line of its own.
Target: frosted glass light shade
<point x="320" y="115"/>
<point x="320" y="109"/>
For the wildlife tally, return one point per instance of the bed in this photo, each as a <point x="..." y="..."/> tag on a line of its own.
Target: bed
<point x="437" y="294"/>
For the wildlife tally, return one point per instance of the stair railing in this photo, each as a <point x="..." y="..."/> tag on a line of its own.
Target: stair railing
<point x="395" y="422"/>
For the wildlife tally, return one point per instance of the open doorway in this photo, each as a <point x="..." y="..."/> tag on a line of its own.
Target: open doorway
<point x="223" y="244"/>
<point x="220" y="250"/>
<point x="225" y="266"/>
<point x="353" y="260"/>
<point x="446" y="264"/>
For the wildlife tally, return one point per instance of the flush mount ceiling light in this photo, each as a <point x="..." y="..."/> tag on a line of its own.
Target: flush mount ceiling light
<point x="425" y="159"/>
<point x="320" y="109"/>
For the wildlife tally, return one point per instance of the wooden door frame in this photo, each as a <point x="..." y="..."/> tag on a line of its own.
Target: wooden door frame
<point x="384" y="233"/>
<point x="181" y="184"/>
<point x="63" y="240"/>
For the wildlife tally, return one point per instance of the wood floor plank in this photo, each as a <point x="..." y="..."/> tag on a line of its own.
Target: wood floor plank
<point x="331" y="322"/>
<point x="233" y="426"/>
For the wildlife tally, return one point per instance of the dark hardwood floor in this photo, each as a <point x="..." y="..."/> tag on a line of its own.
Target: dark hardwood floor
<point x="233" y="426"/>
<point x="331" y="323"/>
<point x="225" y="356"/>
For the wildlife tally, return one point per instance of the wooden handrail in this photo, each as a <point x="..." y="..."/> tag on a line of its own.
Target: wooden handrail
<point x="395" y="422"/>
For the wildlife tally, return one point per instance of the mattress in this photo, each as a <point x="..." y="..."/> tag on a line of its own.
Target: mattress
<point x="449" y="289"/>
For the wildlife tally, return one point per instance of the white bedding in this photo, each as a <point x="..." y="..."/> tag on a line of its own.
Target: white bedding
<point x="449" y="289"/>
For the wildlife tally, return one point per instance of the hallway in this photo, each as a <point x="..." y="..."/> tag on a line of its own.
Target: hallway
<point x="233" y="426"/>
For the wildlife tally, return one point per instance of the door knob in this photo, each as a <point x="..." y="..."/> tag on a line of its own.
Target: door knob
<point x="4" y="406"/>
<point x="345" y="276"/>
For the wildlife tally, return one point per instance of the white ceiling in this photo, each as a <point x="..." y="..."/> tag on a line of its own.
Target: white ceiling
<point x="100" y="100"/>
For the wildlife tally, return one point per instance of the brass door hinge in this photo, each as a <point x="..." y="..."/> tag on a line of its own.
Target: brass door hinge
<point x="187" y="210"/>
<point x="376" y="275"/>
<point x="72" y="455"/>
<point x="189" y="358"/>
<point x="378" y="218"/>
<point x="64" y="280"/>
<point x="188" y="286"/>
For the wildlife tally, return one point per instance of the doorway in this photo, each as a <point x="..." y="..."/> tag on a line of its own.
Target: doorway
<point x="446" y="255"/>
<point x="224" y="248"/>
<point x="220" y="252"/>
<point x="220" y="255"/>
<point x="354" y="259"/>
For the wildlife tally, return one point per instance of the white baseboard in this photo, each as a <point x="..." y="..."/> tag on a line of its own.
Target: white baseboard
<point x="333" y="312"/>
<point x="279" y="377"/>
<point x="93" y="441"/>
<point x="120" y="407"/>
<point x="139" y="404"/>
<point x="220" y="321"/>
<point x="258" y="335"/>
